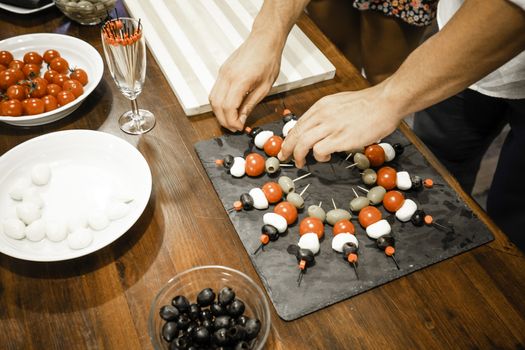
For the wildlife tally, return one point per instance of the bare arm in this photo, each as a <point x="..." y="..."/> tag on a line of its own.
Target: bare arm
<point x="481" y="36"/>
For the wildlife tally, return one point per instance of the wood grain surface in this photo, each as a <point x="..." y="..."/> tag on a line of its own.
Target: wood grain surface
<point x="474" y="300"/>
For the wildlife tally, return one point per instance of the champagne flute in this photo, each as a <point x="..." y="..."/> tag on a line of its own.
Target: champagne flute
<point x="125" y="52"/>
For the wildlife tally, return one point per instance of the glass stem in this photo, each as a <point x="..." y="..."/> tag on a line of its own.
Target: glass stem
<point x="136" y="114"/>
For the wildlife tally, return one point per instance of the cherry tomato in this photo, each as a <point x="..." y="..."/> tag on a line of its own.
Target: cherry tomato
<point x="2" y="67"/>
<point x="76" y="88"/>
<point x="65" y="97"/>
<point x="11" y="108"/>
<point x="32" y="106"/>
<point x="255" y="163"/>
<point x="60" y="65"/>
<point x="53" y="89"/>
<point x="80" y="75"/>
<point x="5" y="57"/>
<point x="311" y="225"/>
<point x="33" y="58"/>
<point x="369" y="215"/>
<point x="17" y="92"/>
<point x="7" y="78"/>
<point x="273" y="145"/>
<point x="38" y="87"/>
<point x="386" y="177"/>
<point x="393" y="200"/>
<point x="287" y="211"/>
<point x="375" y="154"/>
<point x="50" y="103"/>
<point x="343" y="226"/>
<point x="60" y="79"/>
<point x="50" y="75"/>
<point x="273" y="192"/>
<point x="19" y="75"/>
<point x="50" y="54"/>
<point x="17" y="64"/>
<point x="31" y="70"/>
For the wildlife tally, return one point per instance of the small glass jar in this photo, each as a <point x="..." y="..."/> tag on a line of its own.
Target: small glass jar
<point x="86" y="12"/>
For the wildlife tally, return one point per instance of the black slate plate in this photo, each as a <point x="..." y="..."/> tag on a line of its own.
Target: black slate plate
<point x="332" y="279"/>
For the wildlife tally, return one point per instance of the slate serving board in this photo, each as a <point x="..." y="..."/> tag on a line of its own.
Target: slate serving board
<point x="332" y="279"/>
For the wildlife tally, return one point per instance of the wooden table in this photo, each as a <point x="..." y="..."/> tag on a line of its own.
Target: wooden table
<point x="102" y="300"/>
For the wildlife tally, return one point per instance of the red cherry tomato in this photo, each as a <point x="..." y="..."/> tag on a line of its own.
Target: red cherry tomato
<point x="60" y="79"/>
<point x="8" y="77"/>
<point x="343" y="226"/>
<point x="393" y="200"/>
<point x="369" y="215"/>
<point x="375" y="154"/>
<point x="287" y="211"/>
<point x="386" y="177"/>
<point x="49" y="55"/>
<point x="31" y="70"/>
<point x="311" y="225"/>
<point x="11" y="108"/>
<point x="273" y="192"/>
<point x="32" y="106"/>
<point x="17" y="92"/>
<point x="33" y="58"/>
<point x="60" y="65"/>
<point x="273" y="145"/>
<point x="5" y="57"/>
<point x="50" y="103"/>
<point x="2" y="67"/>
<point x="53" y="89"/>
<point x="65" y="97"/>
<point x="80" y="75"/>
<point x="76" y="88"/>
<point x="50" y="75"/>
<point x="38" y="87"/>
<point x="16" y="64"/>
<point x="254" y="162"/>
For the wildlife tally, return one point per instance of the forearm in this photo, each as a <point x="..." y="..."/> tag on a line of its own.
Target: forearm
<point x="481" y="37"/>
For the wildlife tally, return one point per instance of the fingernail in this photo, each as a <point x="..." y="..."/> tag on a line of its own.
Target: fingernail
<point x="243" y="118"/>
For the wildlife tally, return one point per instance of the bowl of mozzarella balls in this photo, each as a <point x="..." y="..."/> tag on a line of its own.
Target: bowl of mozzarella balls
<point x="209" y="307"/>
<point x="86" y="12"/>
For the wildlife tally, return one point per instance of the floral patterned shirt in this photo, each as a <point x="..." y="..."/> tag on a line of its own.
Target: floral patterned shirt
<point x="414" y="12"/>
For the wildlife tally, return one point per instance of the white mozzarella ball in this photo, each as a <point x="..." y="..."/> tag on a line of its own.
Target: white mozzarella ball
<point x="36" y="231"/>
<point x="390" y="154"/>
<point x="18" y="189"/>
<point x="98" y="220"/>
<point x="378" y="229"/>
<point x="31" y="195"/>
<point x="76" y="221"/>
<point x="339" y="241"/>
<point x="259" y="199"/>
<point x="56" y="230"/>
<point x="288" y="126"/>
<point x="276" y="221"/>
<point x="309" y="241"/>
<point x="261" y="138"/>
<point x="41" y="174"/>
<point x="403" y="181"/>
<point x="406" y="211"/>
<point x="80" y="239"/>
<point x="28" y="212"/>
<point x="117" y="210"/>
<point x="14" y="228"/>
<point x="238" y="167"/>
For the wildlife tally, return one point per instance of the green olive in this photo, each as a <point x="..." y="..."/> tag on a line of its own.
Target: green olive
<point x="369" y="177"/>
<point x="286" y="184"/>
<point x="272" y="165"/>
<point x="376" y="194"/>
<point x="296" y="200"/>
<point x="317" y="212"/>
<point x="362" y="161"/>
<point x="335" y="215"/>
<point x="359" y="203"/>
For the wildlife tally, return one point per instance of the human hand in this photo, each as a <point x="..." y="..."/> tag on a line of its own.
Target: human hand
<point x="244" y="80"/>
<point x="341" y="122"/>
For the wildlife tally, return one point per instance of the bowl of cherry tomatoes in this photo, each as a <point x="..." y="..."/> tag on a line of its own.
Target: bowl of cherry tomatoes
<point x="45" y="77"/>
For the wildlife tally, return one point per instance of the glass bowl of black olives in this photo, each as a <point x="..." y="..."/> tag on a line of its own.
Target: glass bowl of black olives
<point x="209" y="307"/>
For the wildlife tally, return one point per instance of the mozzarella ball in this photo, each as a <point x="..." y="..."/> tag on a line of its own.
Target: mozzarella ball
<point x="117" y="210"/>
<point x="76" y="221"/>
<point x="261" y="138"/>
<point x="31" y="195"/>
<point x="276" y="221"/>
<point x="28" y="212"/>
<point x="41" y="174"/>
<point x="406" y="211"/>
<point x="36" y="231"/>
<point x="14" y="228"/>
<point x="403" y="181"/>
<point x="238" y="167"/>
<point x="288" y="126"/>
<point x="378" y="229"/>
<point x="259" y="199"/>
<point x="56" y="230"/>
<point x="80" y="239"/>
<point x="339" y="241"/>
<point x="309" y="241"/>
<point x="18" y="189"/>
<point x="98" y="220"/>
<point x="390" y="154"/>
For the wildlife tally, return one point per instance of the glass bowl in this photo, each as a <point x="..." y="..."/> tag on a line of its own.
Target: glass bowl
<point x="87" y="12"/>
<point x="190" y="282"/>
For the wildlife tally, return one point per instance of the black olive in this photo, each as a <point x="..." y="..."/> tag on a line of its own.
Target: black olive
<point x="398" y="148"/>
<point x="193" y="348"/>
<point x="182" y="343"/>
<point x="306" y="255"/>
<point x="205" y="314"/>
<point x="191" y="327"/>
<point x="222" y="322"/>
<point x="183" y="322"/>
<point x="228" y="161"/>
<point x="226" y="294"/>
<point x="289" y="117"/>
<point x="385" y="241"/>
<point x="195" y="311"/>
<point x="169" y="313"/>
<point x="236" y="333"/>
<point x="349" y="248"/>
<point x="271" y="232"/>
<point x="418" y="219"/>
<point x="169" y="331"/>
<point x="181" y="303"/>
<point x="241" y="320"/>
<point x="236" y="308"/>
<point x="208" y="324"/>
<point x="417" y="183"/>
<point x="247" y="201"/>
<point x="255" y="131"/>
<point x="201" y="335"/>
<point x="217" y="309"/>
<point x="242" y="345"/>
<point x="220" y="336"/>
<point x="253" y="326"/>
<point x="206" y="297"/>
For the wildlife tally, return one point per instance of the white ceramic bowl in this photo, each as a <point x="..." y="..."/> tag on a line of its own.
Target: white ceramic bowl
<point x="77" y="52"/>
